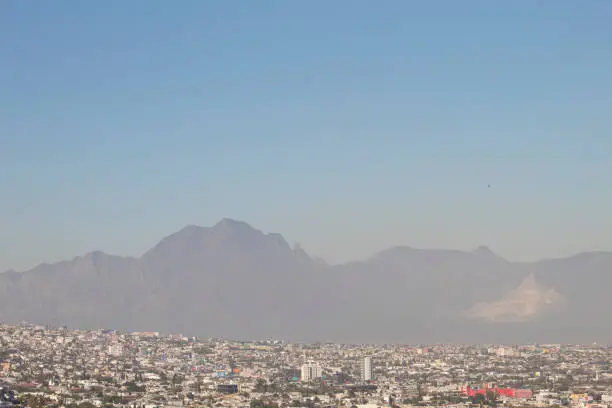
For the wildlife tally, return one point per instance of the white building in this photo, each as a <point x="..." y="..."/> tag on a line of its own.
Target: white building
<point x="506" y="352"/>
<point x="366" y="369"/>
<point x="310" y="371"/>
<point x="115" y="349"/>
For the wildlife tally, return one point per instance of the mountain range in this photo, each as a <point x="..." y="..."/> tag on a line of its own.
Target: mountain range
<point x="232" y="280"/>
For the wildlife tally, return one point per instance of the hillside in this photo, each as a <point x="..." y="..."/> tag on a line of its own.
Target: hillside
<point x="233" y="280"/>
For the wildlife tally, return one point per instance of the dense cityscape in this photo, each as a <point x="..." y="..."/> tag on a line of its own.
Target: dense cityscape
<point x="45" y="366"/>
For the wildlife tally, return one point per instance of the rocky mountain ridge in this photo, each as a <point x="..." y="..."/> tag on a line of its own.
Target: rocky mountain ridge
<point x="234" y="280"/>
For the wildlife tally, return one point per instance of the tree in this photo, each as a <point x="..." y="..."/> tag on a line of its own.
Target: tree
<point x="478" y="399"/>
<point x="256" y="403"/>
<point x="36" y="401"/>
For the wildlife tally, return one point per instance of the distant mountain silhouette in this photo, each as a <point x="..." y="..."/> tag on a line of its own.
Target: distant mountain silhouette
<point x="235" y="281"/>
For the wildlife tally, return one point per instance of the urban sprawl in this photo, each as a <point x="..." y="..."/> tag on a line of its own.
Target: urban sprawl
<point x="42" y="366"/>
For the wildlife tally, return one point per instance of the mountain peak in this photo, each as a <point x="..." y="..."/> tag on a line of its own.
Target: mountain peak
<point x="230" y="229"/>
<point x="484" y="251"/>
<point x="94" y="255"/>
<point x="229" y="224"/>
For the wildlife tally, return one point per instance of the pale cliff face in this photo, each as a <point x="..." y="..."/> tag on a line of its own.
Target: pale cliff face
<point x="528" y="301"/>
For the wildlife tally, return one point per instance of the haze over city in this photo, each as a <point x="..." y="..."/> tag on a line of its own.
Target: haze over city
<point x="305" y="204"/>
<point x="347" y="126"/>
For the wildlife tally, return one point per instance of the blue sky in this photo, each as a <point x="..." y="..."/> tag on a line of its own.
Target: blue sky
<point x="348" y="126"/>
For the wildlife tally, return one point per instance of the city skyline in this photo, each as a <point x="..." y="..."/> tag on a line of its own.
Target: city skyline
<point x="150" y="369"/>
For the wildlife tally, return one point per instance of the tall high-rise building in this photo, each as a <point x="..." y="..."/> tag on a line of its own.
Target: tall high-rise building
<point x="310" y="371"/>
<point x="366" y="369"/>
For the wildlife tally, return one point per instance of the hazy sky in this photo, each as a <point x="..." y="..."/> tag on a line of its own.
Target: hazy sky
<point x="347" y="125"/>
